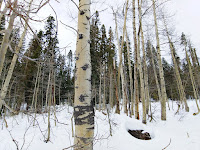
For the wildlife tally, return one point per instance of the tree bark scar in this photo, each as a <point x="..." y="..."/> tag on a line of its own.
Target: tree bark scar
<point x="88" y="18"/>
<point x="85" y="67"/>
<point x="82" y="12"/>
<point x="81" y="110"/>
<point x="82" y="98"/>
<point x="92" y="128"/>
<point x="80" y="36"/>
<point x="76" y="58"/>
<point x="88" y="80"/>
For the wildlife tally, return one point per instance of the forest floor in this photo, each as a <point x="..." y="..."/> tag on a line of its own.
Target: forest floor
<point x="181" y="131"/>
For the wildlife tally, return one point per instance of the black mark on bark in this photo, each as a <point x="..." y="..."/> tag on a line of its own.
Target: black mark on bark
<point x="88" y="18"/>
<point x="80" y="36"/>
<point x="85" y="67"/>
<point x="81" y="110"/>
<point x="82" y="98"/>
<point x="82" y="12"/>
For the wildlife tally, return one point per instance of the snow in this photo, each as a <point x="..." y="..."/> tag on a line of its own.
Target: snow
<point x="181" y="131"/>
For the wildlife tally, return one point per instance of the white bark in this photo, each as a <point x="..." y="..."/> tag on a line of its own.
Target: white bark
<point x="161" y="72"/>
<point x="5" y="42"/>
<point x="142" y="91"/>
<point x="192" y="80"/>
<point x="130" y="72"/>
<point x="136" y="93"/>
<point x="146" y="87"/>
<point x="155" y="74"/>
<point x="120" y="70"/>
<point x="177" y="74"/>
<point x="83" y="107"/>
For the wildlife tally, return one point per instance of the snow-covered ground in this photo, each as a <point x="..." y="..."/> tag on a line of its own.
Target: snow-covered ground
<point x="179" y="132"/>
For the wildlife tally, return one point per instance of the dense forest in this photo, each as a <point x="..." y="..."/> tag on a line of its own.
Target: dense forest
<point x="109" y="70"/>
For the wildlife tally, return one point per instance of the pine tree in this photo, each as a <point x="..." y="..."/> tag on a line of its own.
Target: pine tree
<point x="34" y="51"/>
<point x="95" y="48"/>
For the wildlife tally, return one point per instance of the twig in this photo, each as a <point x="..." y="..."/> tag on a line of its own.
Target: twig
<point x="167" y="145"/>
<point x="16" y="143"/>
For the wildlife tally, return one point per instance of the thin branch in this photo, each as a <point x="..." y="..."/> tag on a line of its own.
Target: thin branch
<point x="167" y="145"/>
<point x="70" y="27"/>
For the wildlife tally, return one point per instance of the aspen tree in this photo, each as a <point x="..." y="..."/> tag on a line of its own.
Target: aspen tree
<point x="100" y="88"/>
<point x="146" y="87"/>
<point x="142" y="91"/>
<point x="196" y="58"/>
<point x="83" y="107"/>
<point x="111" y="89"/>
<point x="116" y="89"/>
<point x="130" y="72"/>
<point x="155" y="73"/>
<point x="104" y="87"/>
<point x="194" y="66"/>
<point x="177" y="74"/>
<point x="136" y="93"/>
<point x="13" y="62"/>
<point x="196" y="96"/>
<point x="161" y="73"/>
<point x="5" y="42"/>
<point x="184" y="42"/>
<point x="120" y="69"/>
<point x="124" y="90"/>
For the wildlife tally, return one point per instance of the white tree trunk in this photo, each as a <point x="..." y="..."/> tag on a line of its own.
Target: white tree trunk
<point x="161" y="72"/>
<point x="136" y="93"/>
<point x="196" y="96"/>
<point x="83" y="107"/>
<point x="100" y="88"/>
<point x="142" y="91"/>
<point x="5" y="42"/>
<point x="130" y="72"/>
<point x="177" y="74"/>
<point x="120" y="69"/>
<point x="111" y="89"/>
<point x="146" y="87"/>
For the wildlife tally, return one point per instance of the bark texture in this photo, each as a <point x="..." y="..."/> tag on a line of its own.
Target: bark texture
<point x="136" y="93"/>
<point x="83" y="106"/>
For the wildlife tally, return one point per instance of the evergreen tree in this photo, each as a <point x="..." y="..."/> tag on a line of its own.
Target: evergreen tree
<point x="34" y="51"/>
<point x="110" y="48"/>
<point x="95" y="48"/>
<point x="50" y="38"/>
